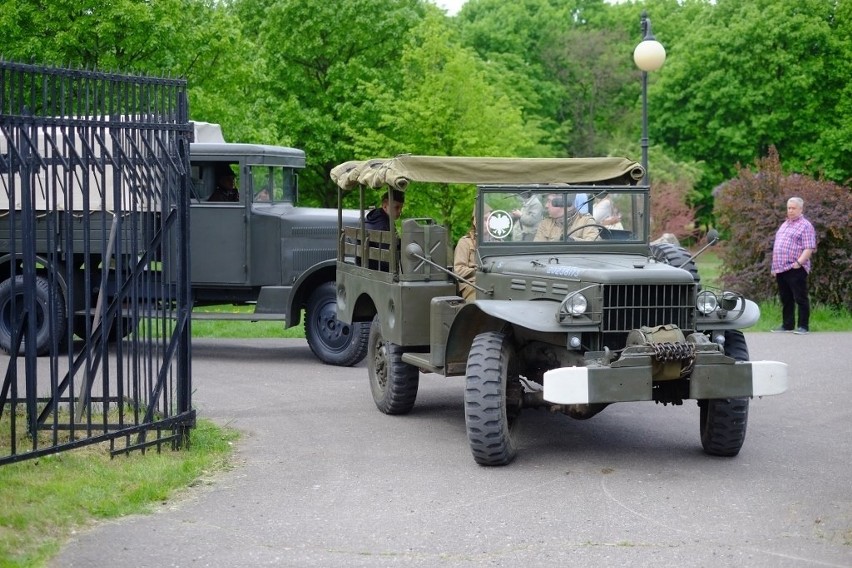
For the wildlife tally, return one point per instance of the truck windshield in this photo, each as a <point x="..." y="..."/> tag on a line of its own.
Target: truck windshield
<point x="544" y="215"/>
<point x="273" y="184"/>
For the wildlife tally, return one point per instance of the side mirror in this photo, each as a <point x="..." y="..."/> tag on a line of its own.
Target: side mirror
<point x="712" y="237"/>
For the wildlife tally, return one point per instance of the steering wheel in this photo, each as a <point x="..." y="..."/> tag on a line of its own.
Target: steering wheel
<point x="599" y="226"/>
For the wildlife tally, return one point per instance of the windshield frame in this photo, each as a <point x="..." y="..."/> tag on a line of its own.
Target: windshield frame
<point x="634" y="205"/>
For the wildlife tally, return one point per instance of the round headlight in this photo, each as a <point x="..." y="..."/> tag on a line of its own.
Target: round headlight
<point x="706" y="302"/>
<point x="577" y="305"/>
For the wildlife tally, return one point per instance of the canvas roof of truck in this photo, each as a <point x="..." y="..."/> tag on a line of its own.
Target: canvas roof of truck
<point x="256" y="154"/>
<point x="399" y="171"/>
<point x="209" y="144"/>
<point x="213" y="148"/>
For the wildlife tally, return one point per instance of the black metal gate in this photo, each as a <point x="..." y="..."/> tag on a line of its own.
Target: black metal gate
<point x="94" y="268"/>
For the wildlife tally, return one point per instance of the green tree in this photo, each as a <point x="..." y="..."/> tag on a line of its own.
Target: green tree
<point x="568" y="61"/>
<point x="315" y="55"/>
<point x="833" y="152"/>
<point x="591" y="70"/>
<point x="746" y="76"/>
<point x="178" y="37"/>
<point x="194" y="39"/>
<point x="445" y="106"/>
<point x="510" y="37"/>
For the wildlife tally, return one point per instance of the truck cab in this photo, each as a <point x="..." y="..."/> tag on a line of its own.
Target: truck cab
<point x="262" y="249"/>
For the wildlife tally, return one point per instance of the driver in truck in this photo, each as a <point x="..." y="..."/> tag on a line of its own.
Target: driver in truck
<point x="225" y="185"/>
<point x="552" y="228"/>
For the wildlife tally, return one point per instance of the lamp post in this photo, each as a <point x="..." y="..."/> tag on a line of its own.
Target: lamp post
<point x="649" y="55"/>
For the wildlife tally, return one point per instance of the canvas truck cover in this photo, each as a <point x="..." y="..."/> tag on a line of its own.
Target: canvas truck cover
<point x="72" y="158"/>
<point x="399" y="171"/>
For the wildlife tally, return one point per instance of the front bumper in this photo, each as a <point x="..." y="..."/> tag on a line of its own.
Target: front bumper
<point x="606" y="384"/>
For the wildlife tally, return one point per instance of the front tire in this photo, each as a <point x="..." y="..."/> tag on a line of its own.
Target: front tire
<point x="49" y="306"/>
<point x="331" y="340"/>
<point x="393" y="383"/>
<point x="492" y="399"/>
<point x="724" y="421"/>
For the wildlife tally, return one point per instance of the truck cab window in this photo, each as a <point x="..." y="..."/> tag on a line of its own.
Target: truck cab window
<point x="273" y="184"/>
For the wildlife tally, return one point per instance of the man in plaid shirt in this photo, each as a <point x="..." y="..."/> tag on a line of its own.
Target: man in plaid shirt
<point x="795" y="242"/>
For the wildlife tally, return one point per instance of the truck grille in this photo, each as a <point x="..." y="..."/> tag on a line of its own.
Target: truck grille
<point x="627" y="307"/>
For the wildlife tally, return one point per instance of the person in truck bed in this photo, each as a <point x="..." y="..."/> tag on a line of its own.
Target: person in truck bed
<point x="379" y="219"/>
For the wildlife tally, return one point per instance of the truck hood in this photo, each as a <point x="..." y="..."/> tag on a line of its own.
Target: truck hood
<point x="605" y="269"/>
<point x="288" y="210"/>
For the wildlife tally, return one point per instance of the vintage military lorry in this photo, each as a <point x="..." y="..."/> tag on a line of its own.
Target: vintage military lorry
<point x="581" y="316"/>
<point x="261" y="251"/>
<point x="264" y="250"/>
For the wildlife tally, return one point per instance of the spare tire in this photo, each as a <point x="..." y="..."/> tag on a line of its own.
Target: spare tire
<point x="676" y="256"/>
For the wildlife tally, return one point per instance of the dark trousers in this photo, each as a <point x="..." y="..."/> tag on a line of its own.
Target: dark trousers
<point x="793" y="289"/>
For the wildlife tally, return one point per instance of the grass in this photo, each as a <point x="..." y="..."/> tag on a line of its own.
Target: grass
<point x="709" y="267"/>
<point x="45" y="499"/>
<point x="242" y="329"/>
<point x="823" y="318"/>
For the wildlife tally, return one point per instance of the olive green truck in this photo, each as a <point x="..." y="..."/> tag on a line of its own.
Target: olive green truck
<point x="581" y="313"/>
<point x="258" y="258"/>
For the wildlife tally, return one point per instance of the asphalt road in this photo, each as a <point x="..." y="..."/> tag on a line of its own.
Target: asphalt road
<point x="322" y="479"/>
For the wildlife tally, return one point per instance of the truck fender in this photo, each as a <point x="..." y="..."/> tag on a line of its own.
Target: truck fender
<point x="470" y="321"/>
<point x="537" y="315"/>
<point x="494" y="315"/>
<point x="306" y="283"/>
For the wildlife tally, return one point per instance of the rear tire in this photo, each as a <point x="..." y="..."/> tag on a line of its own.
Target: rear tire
<point x="492" y="399"/>
<point x="393" y="383"/>
<point x="724" y="421"/>
<point x="331" y="340"/>
<point x="48" y="305"/>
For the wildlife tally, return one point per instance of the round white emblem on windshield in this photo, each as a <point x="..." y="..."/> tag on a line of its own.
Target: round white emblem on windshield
<point x="499" y="224"/>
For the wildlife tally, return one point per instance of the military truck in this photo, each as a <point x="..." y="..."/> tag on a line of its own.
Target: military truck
<point x="264" y="250"/>
<point x="260" y="251"/>
<point x="581" y="316"/>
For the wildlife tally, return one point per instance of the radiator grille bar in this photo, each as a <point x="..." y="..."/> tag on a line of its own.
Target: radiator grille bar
<point x="631" y="306"/>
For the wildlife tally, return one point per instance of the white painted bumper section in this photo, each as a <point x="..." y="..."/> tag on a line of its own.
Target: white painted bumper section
<point x="567" y="385"/>
<point x="768" y="377"/>
<point x="571" y="385"/>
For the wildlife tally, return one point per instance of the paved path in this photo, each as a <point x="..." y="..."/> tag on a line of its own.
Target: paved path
<point x="323" y="479"/>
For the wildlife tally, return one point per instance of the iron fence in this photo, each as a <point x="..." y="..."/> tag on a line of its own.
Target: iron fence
<point x="94" y="267"/>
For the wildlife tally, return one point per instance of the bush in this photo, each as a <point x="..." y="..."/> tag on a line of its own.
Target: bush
<point x="751" y="207"/>
<point x="670" y="213"/>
